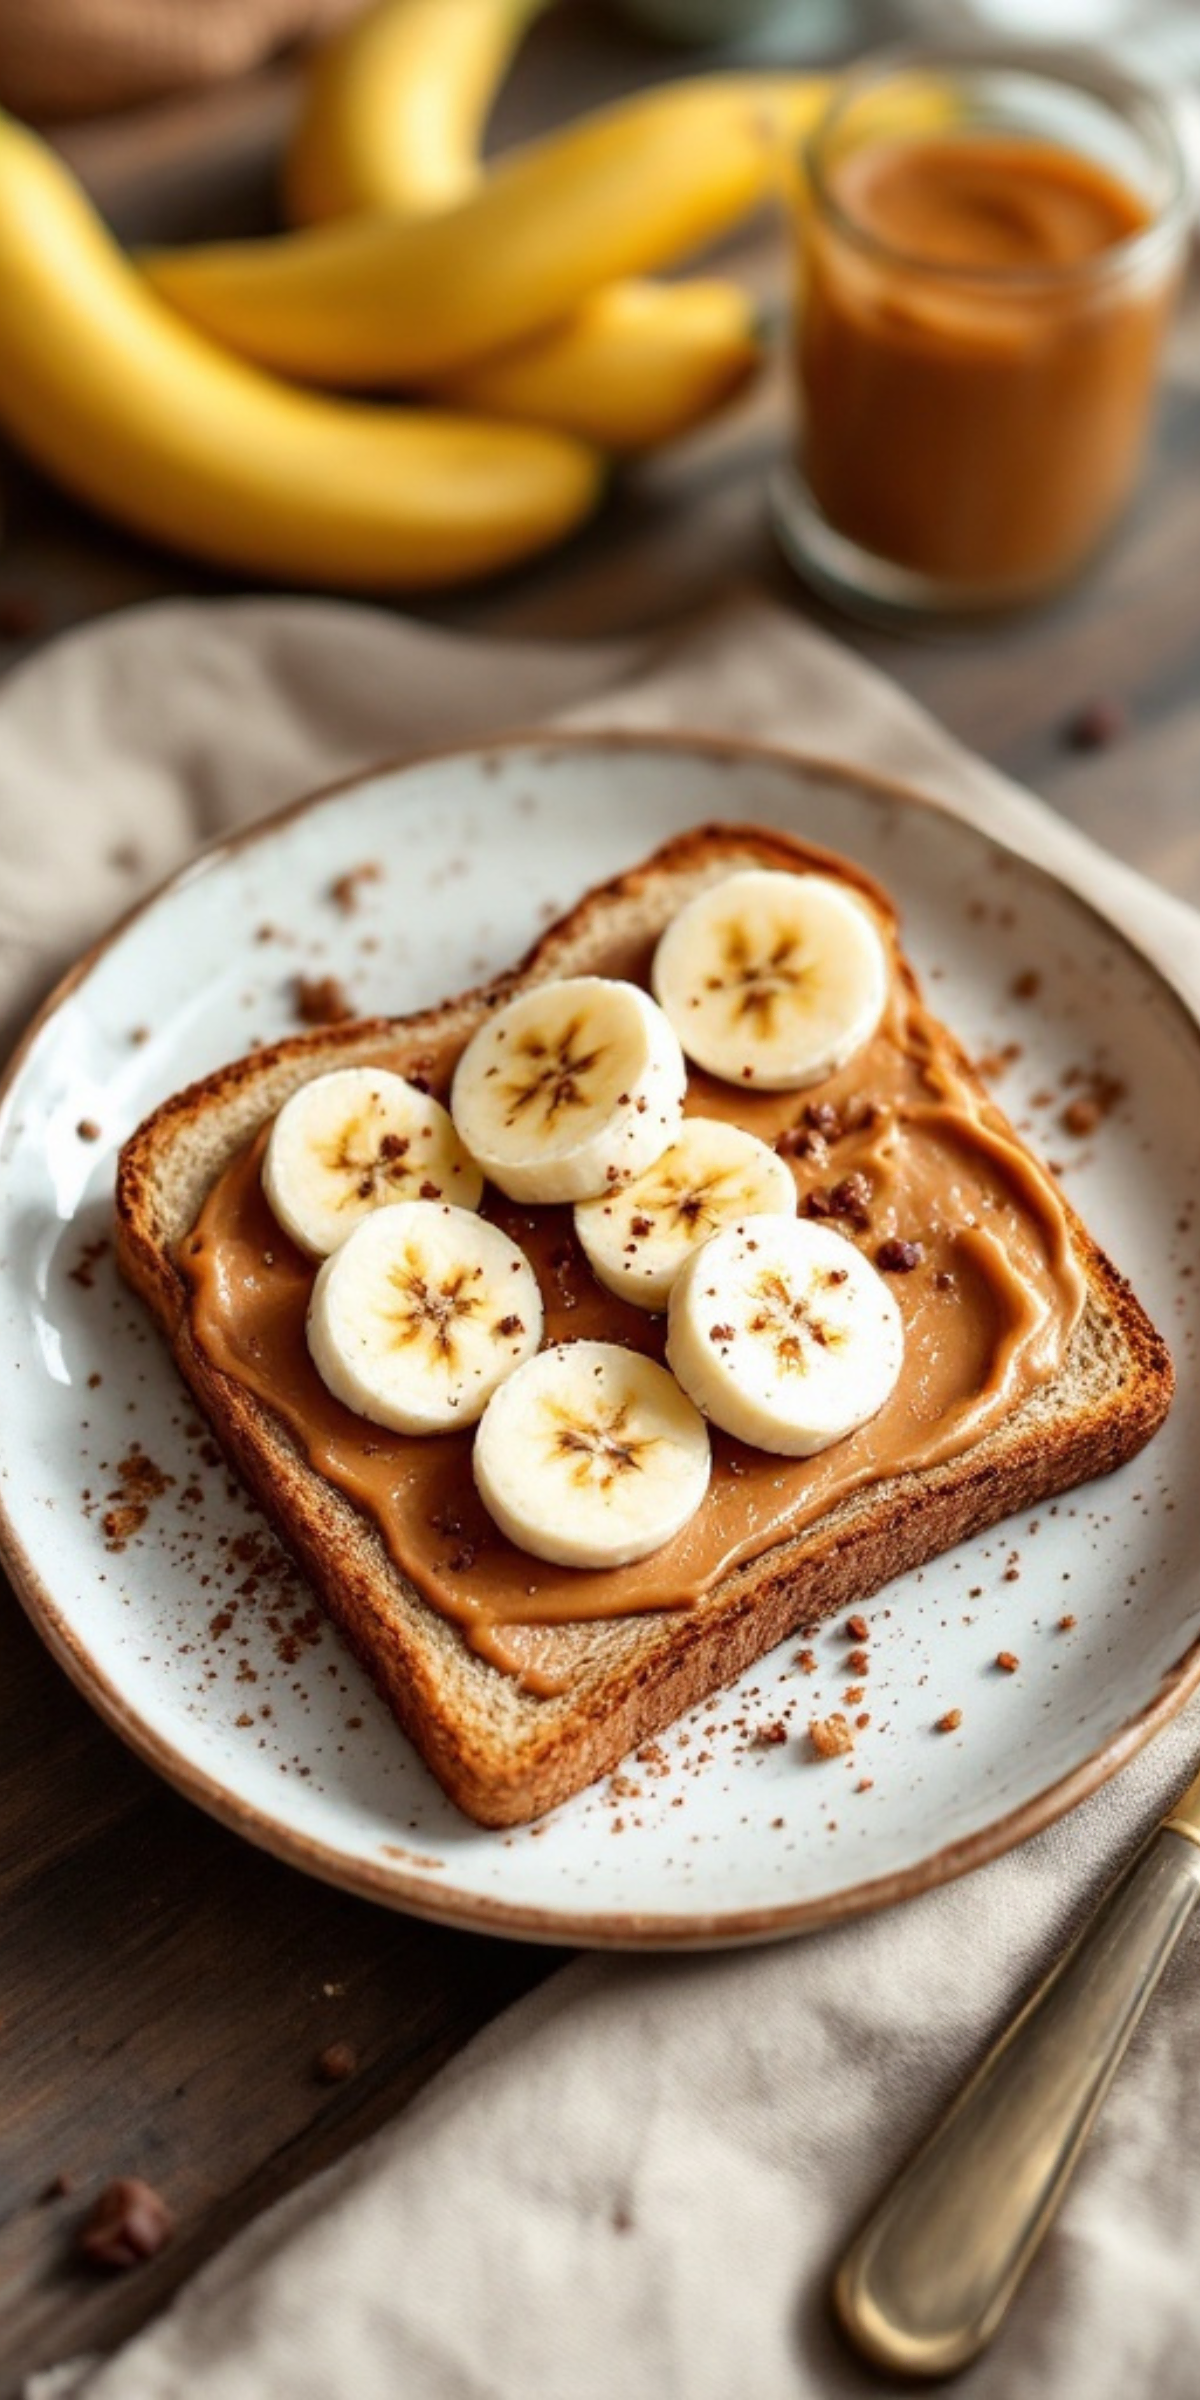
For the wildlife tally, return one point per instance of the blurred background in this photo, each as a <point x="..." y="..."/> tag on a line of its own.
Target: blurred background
<point x="175" y="117"/>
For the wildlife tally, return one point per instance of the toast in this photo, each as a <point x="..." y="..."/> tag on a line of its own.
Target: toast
<point x="502" y="1753"/>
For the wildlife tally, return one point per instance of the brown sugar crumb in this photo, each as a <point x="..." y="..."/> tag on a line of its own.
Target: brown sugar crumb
<point x="830" y="1736"/>
<point x="336" y="2063"/>
<point x="898" y="1258"/>
<point x="853" y="1694"/>
<point x="320" y="1000"/>
<point x="88" y="1130"/>
<point x="768" y="1737"/>
<point x="1012" y="1574"/>
<point x="950" y="1722"/>
<point x="1096" y="726"/>
<point x="824" y="1119"/>
<point x="866" y="1783"/>
<point x="139" y="1481"/>
<point x="1067" y="1624"/>
<point x="127" y="2222"/>
<point x="862" y="1720"/>
<point x="83" y="1272"/>
<point x="849" y="1200"/>
<point x="857" y="1628"/>
<point x="344" y="891"/>
<point x="798" y="1141"/>
<point x="806" y="1660"/>
<point x="859" y="1662"/>
<point x="623" y="1787"/>
<point x="1008" y="1661"/>
<point x="1089" y="1106"/>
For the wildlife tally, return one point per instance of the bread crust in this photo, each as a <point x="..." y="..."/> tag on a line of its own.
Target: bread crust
<point x="503" y="1755"/>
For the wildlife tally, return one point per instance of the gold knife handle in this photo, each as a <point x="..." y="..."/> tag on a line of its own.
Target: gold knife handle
<point x="926" y="2282"/>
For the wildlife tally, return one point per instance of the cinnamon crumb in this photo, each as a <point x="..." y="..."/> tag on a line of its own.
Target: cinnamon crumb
<point x="806" y="1661"/>
<point x="128" y="2221"/>
<point x="859" y="1662"/>
<point x="767" y="1737"/>
<point x="857" y="1628"/>
<point x="320" y="1000"/>
<point x="344" y="890"/>
<point x="1008" y="1660"/>
<point x="88" y="1130"/>
<point x="950" y="1722"/>
<point x="852" y="1694"/>
<point x="1067" y="1624"/>
<point x="830" y="1736"/>
<point x="336" y="2063"/>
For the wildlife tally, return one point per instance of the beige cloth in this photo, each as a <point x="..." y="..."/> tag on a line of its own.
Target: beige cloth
<point x="637" y="2180"/>
<point x="68" y="58"/>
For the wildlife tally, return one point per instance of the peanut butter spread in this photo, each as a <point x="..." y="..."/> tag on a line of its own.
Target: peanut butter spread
<point x="899" y="1151"/>
<point x="976" y="382"/>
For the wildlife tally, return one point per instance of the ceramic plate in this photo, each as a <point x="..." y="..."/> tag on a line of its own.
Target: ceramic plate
<point x="157" y="1587"/>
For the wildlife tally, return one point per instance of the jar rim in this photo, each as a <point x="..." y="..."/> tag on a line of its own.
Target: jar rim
<point x="1078" y="70"/>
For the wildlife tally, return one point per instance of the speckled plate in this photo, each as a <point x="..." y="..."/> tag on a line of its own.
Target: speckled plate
<point x="158" y="1588"/>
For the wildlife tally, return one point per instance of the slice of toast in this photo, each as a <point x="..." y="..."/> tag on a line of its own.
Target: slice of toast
<point x="503" y="1754"/>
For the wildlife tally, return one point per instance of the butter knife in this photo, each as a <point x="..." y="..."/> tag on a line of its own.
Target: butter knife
<point x="926" y="2282"/>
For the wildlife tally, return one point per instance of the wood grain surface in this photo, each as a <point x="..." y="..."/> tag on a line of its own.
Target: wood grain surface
<point x="164" y="1990"/>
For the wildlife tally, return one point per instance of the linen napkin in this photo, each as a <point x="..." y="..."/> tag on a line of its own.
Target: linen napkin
<point x="638" y="2180"/>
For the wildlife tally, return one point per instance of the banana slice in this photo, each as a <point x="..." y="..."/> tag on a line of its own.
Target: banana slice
<point x="712" y="1174"/>
<point x="784" y="1334"/>
<point x="590" y="1456"/>
<point x="420" y="1314"/>
<point x="772" y="980"/>
<point x="571" y="1090"/>
<point x="354" y="1141"/>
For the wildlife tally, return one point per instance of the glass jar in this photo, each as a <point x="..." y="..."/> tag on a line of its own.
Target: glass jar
<point x="989" y="247"/>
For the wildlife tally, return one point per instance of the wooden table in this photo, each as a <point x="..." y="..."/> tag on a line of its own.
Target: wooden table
<point x="166" y="1989"/>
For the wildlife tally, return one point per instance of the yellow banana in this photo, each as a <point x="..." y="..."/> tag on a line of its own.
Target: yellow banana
<point x="378" y="300"/>
<point x="632" y="367"/>
<point x="142" y="417"/>
<point x="391" y="120"/>
<point x="395" y="105"/>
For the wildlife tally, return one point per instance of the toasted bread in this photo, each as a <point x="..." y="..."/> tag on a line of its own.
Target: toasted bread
<point x="503" y="1754"/>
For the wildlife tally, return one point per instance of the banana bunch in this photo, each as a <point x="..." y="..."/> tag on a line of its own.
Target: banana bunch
<point x="510" y="312"/>
<point x="426" y="1316"/>
<point x="133" y="411"/>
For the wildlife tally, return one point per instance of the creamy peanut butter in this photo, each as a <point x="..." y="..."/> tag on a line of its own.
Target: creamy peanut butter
<point x="909" y="1155"/>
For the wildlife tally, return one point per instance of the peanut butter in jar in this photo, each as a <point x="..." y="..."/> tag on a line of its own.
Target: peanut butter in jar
<point x="989" y="255"/>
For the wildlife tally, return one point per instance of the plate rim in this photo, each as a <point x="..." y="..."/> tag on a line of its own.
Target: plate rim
<point x="421" y="1894"/>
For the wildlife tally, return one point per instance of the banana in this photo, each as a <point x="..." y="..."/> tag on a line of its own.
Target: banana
<point x="420" y="1314"/>
<point x="395" y="105"/>
<point x="590" y="1456"/>
<point x="355" y="1140"/>
<point x="391" y="121"/>
<point x="570" y="1090"/>
<point x="637" y="1240"/>
<point x="380" y="300"/>
<point x="634" y="366"/>
<point x="137" y="414"/>
<point x="772" y="979"/>
<point x="783" y="1334"/>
